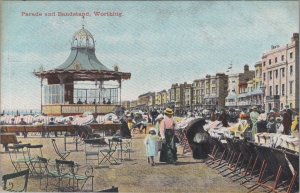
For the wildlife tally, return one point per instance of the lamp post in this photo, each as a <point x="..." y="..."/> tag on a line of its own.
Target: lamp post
<point x="263" y="88"/>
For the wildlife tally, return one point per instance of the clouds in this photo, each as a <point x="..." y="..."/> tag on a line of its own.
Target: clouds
<point x="160" y="43"/>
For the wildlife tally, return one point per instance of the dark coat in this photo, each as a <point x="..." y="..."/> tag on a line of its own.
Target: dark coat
<point x="124" y="130"/>
<point x="287" y="122"/>
<point x="200" y="150"/>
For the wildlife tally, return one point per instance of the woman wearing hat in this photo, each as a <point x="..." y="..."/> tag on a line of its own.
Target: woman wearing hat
<point x="168" y="151"/>
<point x="254" y="117"/>
<point x="158" y="119"/>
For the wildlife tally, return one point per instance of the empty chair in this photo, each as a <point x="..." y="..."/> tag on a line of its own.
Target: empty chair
<point x="19" y="157"/>
<point x="68" y="170"/>
<point x="123" y="148"/>
<point x="62" y="154"/>
<point x="74" y="140"/>
<point x="92" y="148"/>
<point x="34" y="151"/>
<point x="108" y="151"/>
<point x="11" y="186"/>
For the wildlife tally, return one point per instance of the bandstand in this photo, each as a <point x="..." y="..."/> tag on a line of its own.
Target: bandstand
<point x="82" y="83"/>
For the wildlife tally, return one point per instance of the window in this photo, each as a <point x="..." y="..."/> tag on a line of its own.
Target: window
<point x="291" y="87"/>
<point x="270" y="61"/>
<point x="207" y="91"/>
<point x="270" y="75"/>
<point x="270" y="90"/>
<point x="213" y="81"/>
<point x="291" y="70"/>
<point x="282" y="57"/>
<point x="281" y="106"/>
<point x="282" y="72"/>
<point x="276" y="90"/>
<point x="291" y="105"/>
<point x="276" y="73"/>
<point x="275" y="59"/>
<point x="213" y="90"/>
<point x="264" y="63"/>
<point x="54" y="94"/>
<point x="264" y="76"/>
<point x="291" y="55"/>
<point x="282" y="89"/>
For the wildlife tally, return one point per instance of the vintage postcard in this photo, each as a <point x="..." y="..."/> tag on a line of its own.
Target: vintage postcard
<point x="149" y="96"/>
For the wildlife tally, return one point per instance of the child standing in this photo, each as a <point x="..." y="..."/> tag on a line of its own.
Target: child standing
<point x="151" y="143"/>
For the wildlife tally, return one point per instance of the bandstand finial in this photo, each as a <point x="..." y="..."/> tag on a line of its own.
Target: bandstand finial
<point x="83" y="22"/>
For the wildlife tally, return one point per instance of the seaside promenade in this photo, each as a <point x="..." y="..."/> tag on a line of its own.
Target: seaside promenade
<point x="134" y="175"/>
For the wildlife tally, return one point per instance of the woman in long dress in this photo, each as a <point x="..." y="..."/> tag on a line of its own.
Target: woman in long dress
<point x="168" y="151"/>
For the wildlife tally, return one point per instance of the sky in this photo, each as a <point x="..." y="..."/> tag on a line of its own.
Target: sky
<point x="160" y="43"/>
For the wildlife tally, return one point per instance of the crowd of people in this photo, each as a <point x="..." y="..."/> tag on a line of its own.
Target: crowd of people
<point x="161" y="137"/>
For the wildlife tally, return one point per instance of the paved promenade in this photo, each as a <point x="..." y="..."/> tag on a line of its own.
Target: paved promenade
<point x="136" y="175"/>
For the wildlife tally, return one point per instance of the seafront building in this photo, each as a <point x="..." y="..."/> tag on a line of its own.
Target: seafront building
<point x="272" y="84"/>
<point x="237" y="89"/>
<point x="280" y="69"/>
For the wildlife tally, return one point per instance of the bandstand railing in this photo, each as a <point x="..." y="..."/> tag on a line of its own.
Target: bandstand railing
<point x="74" y="109"/>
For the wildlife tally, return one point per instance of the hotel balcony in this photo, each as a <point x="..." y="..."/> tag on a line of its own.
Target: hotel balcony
<point x="243" y="103"/>
<point x="273" y="98"/>
<point x="230" y="104"/>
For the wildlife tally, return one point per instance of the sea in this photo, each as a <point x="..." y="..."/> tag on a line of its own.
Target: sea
<point x="20" y="112"/>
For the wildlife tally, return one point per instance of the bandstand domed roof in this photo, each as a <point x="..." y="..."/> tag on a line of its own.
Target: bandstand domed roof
<point x="82" y="63"/>
<point x="83" y="38"/>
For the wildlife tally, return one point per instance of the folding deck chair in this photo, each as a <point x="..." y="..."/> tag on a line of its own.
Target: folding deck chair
<point x="62" y="154"/>
<point x="92" y="148"/>
<point x="108" y="151"/>
<point x="293" y="161"/>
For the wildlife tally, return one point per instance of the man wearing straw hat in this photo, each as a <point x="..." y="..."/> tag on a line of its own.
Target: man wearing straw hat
<point x="168" y="151"/>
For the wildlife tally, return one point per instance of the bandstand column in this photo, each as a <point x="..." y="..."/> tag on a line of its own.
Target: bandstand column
<point x="120" y="87"/>
<point x="41" y="95"/>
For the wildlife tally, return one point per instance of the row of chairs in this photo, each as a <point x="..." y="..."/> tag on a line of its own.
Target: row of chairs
<point x="97" y="148"/>
<point x="28" y="157"/>
<point x="255" y="166"/>
<point x="64" y="174"/>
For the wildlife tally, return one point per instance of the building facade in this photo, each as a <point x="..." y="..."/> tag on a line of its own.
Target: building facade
<point x="188" y="95"/>
<point x="215" y="90"/>
<point x="198" y="87"/>
<point x="238" y="90"/>
<point x="255" y="90"/>
<point x="280" y="69"/>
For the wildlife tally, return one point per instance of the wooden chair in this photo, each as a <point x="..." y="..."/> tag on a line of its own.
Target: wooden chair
<point x="8" y="177"/>
<point x="62" y="154"/>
